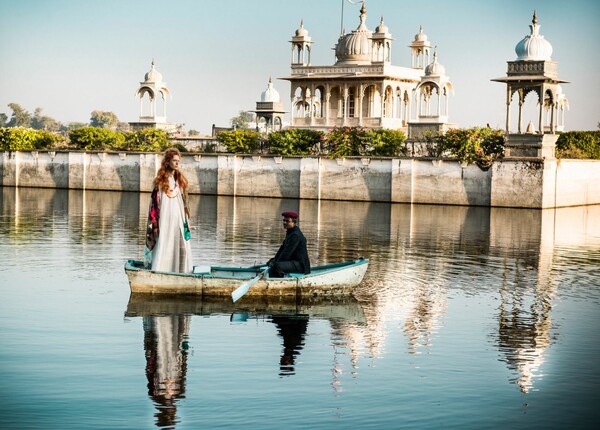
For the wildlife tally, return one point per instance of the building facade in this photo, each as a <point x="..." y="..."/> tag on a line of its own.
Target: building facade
<point x="363" y="88"/>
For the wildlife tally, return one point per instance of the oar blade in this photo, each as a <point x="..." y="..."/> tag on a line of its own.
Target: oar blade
<point x="243" y="289"/>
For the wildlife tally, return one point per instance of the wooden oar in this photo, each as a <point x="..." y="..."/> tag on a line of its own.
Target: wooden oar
<point x="243" y="289"/>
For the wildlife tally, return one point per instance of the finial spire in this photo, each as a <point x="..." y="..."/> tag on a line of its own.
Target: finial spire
<point x="535" y="19"/>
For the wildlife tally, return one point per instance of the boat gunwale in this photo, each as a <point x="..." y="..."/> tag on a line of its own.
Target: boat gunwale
<point x="137" y="265"/>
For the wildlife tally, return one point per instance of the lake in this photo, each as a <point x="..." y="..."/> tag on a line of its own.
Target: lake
<point x="468" y="318"/>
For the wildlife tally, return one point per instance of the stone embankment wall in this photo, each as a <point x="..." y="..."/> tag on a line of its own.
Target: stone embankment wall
<point x="524" y="183"/>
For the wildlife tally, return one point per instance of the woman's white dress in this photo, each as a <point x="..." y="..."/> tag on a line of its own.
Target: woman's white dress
<point x="172" y="252"/>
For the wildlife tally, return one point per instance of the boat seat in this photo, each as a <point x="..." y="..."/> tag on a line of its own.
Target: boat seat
<point x="201" y="270"/>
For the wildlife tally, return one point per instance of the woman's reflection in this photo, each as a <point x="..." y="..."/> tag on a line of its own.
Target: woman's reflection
<point x="166" y="345"/>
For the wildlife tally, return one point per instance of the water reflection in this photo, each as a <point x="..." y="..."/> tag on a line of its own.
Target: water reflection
<point x="165" y="347"/>
<point x="292" y="330"/>
<point x="167" y="321"/>
<point x="516" y="261"/>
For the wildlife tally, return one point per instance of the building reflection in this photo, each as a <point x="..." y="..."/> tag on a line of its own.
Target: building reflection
<point x="525" y="328"/>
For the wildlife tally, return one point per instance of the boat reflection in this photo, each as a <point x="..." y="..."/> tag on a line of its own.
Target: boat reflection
<point x="167" y="321"/>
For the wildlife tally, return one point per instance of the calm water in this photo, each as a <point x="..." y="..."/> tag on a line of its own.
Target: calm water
<point x="468" y="318"/>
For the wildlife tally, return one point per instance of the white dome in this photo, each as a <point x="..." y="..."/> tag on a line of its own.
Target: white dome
<point x="355" y="48"/>
<point x="420" y="36"/>
<point x="381" y="28"/>
<point x="534" y="47"/>
<point x="153" y="75"/>
<point x="301" y="32"/>
<point x="270" y="94"/>
<point x="435" y="68"/>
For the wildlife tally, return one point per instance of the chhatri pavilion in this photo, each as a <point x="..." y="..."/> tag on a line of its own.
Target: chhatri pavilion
<point x="363" y="87"/>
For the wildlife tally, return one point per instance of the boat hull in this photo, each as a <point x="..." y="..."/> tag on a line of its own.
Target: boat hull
<point x="329" y="280"/>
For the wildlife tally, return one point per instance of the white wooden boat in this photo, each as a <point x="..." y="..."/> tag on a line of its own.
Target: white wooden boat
<point x="329" y="280"/>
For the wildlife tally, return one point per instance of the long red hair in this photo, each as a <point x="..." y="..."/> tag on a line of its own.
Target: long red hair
<point x="162" y="176"/>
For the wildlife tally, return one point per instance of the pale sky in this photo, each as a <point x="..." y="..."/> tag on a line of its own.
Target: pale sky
<point x="71" y="57"/>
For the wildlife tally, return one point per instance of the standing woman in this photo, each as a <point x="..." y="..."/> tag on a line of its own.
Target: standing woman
<point x="166" y="236"/>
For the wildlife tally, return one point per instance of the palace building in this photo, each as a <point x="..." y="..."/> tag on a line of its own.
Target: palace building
<point x="363" y="88"/>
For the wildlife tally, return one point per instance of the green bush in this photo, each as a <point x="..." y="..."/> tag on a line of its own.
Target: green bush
<point x="294" y="141"/>
<point x="345" y="142"/>
<point x="26" y="139"/>
<point x="385" y="143"/>
<point x="95" y="138"/>
<point x="147" y="140"/>
<point x="240" y="141"/>
<point x="578" y="144"/>
<point x="479" y="145"/>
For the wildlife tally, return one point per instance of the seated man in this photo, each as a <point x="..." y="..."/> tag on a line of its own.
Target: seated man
<point x="292" y="256"/>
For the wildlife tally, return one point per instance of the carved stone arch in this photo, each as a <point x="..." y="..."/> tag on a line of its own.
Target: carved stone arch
<point x="529" y="90"/>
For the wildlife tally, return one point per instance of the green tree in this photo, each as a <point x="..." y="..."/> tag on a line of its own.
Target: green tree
<point x="42" y="122"/>
<point x="242" y="121"/>
<point x="3" y="120"/>
<point x="104" y="119"/>
<point x="193" y="133"/>
<point x="20" y="117"/>
<point x="72" y="126"/>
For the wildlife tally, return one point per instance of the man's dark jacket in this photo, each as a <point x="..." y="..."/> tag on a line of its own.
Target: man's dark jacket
<point x="293" y="249"/>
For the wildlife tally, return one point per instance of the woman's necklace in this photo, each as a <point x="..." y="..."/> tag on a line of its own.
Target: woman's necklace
<point x="172" y="193"/>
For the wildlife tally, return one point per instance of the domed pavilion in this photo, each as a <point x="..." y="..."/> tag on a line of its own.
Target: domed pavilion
<point x="363" y="88"/>
<point x="148" y="93"/>
<point x="534" y="72"/>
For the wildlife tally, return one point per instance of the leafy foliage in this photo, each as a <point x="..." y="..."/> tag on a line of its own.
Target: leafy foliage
<point x="104" y="119"/>
<point x="479" y="145"/>
<point x="240" y="141"/>
<point x="25" y="139"/>
<point x="243" y="120"/>
<point x="294" y="142"/>
<point x="43" y="122"/>
<point x="20" y="117"/>
<point x="578" y="144"/>
<point x="95" y="138"/>
<point x="385" y="143"/>
<point x="146" y="140"/>
<point x="345" y="142"/>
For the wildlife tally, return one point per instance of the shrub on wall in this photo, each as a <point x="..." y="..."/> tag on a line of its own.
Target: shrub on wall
<point x="26" y="139"/>
<point x="240" y="141"/>
<point x="578" y="144"/>
<point x="147" y="140"/>
<point x="344" y="142"/>
<point x="385" y="143"/>
<point x="294" y="141"/>
<point x="479" y="145"/>
<point x="95" y="138"/>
